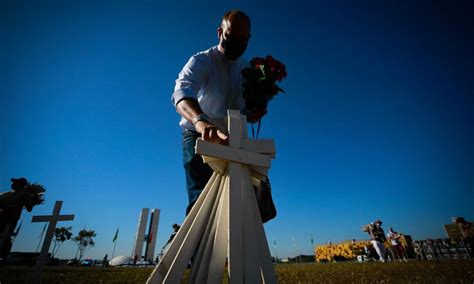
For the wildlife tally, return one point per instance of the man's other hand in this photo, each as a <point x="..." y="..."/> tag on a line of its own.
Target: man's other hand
<point x="209" y="132"/>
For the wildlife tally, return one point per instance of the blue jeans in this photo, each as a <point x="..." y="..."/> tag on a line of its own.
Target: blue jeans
<point x="197" y="172"/>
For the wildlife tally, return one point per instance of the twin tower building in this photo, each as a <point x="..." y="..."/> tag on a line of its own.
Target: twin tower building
<point x="148" y="239"/>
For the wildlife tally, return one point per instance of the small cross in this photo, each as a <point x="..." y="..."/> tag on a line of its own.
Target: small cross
<point x="52" y="219"/>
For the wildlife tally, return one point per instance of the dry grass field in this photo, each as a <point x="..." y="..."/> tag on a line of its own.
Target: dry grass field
<point x="449" y="271"/>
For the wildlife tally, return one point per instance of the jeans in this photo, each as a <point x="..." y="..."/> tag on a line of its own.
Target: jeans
<point x="197" y="172"/>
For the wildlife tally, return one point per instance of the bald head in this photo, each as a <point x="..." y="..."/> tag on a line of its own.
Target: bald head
<point x="234" y="34"/>
<point x="236" y="17"/>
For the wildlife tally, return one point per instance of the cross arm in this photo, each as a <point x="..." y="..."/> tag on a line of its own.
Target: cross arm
<point x="47" y="218"/>
<point x="262" y="146"/>
<point x="231" y="154"/>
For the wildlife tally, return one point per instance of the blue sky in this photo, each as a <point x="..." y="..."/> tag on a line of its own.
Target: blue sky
<point x="377" y="121"/>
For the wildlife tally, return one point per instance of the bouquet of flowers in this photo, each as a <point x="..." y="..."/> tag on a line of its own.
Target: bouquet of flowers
<point x="260" y="84"/>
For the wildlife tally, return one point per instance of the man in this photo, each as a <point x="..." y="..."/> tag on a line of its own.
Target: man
<point x="105" y="261"/>
<point x="397" y="246"/>
<point x="208" y="85"/>
<point x="176" y="228"/>
<point x="467" y="235"/>
<point x="11" y="206"/>
<point x="378" y="238"/>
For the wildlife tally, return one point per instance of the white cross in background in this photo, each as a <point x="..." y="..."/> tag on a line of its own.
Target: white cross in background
<point x="52" y="219"/>
<point x="225" y="221"/>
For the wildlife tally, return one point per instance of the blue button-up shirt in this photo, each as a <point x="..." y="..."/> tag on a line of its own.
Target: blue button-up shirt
<point x="214" y="81"/>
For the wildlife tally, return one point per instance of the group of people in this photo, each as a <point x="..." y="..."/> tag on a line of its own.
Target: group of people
<point x="422" y="249"/>
<point x="378" y="239"/>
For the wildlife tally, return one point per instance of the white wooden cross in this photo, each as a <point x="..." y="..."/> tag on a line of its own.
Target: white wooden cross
<point x="225" y="221"/>
<point x="52" y="219"/>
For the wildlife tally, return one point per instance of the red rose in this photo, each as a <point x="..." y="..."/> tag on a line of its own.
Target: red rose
<point x="270" y="61"/>
<point x="257" y="61"/>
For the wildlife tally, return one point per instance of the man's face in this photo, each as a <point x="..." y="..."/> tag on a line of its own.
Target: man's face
<point x="234" y="35"/>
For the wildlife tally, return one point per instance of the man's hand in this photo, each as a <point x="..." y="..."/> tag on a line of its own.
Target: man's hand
<point x="210" y="132"/>
<point x="189" y="109"/>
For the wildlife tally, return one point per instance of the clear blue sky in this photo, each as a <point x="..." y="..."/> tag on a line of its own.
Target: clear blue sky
<point x="377" y="121"/>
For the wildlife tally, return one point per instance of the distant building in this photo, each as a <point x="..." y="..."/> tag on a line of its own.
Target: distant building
<point x="301" y="258"/>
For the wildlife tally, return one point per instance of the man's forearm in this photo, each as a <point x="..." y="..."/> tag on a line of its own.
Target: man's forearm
<point x="189" y="109"/>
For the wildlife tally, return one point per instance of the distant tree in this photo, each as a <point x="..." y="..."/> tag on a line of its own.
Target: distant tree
<point x="61" y="235"/>
<point x="84" y="240"/>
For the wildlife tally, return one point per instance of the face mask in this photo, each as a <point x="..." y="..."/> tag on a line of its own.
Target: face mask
<point x="233" y="49"/>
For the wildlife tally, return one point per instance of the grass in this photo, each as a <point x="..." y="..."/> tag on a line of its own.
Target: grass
<point x="449" y="271"/>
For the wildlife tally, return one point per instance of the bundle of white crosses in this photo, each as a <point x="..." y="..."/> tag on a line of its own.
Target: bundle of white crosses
<point x="224" y="224"/>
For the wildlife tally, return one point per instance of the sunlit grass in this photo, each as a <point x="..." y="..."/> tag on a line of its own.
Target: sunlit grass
<point x="413" y="271"/>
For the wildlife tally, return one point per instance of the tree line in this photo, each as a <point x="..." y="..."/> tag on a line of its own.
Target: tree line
<point x="84" y="240"/>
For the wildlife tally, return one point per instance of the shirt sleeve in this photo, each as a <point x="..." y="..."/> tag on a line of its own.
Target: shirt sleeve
<point x="191" y="78"/>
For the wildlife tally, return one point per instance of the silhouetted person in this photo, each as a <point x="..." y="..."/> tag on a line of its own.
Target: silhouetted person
<point x="467" y="235"/>
<point x="175" y="231"/>
<point x="10" y="215"/>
